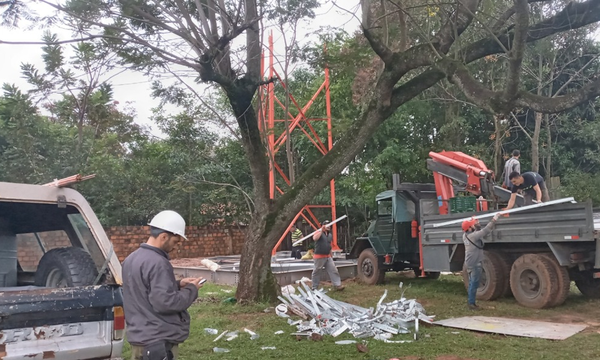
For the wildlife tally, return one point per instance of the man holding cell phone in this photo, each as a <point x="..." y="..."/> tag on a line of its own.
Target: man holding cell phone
<point x="156" y="304"/>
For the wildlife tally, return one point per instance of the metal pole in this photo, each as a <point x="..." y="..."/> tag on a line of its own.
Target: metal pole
<point x="528" y="207"/>
<point x="314" y="232"/>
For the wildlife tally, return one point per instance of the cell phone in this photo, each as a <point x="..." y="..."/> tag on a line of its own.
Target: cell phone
<point x="201" y="281"/>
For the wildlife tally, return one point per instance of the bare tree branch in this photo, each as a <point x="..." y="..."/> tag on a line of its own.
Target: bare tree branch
<point x="501" y="21"/>
<point x="517" y="50"/>
<point x="545" y="104"/>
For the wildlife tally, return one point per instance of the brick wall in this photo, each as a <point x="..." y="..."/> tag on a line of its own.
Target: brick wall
<point x="202" y="241"/>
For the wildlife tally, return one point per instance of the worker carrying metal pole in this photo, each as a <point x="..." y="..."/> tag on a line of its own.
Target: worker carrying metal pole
<point x="473" y="240"/>
<point x="322" y="257"/>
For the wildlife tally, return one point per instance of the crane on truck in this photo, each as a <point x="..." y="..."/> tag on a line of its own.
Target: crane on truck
<point x="532" y="255"/>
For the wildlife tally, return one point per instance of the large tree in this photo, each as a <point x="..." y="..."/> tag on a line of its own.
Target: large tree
<point x="438" y="41"/>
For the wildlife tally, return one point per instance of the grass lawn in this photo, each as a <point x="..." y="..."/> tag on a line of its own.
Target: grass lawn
<point x="444" y="298"/>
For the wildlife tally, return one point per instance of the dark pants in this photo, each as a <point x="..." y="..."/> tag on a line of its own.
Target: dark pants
<point x="137" y="352"/>
<point x="529" y="196"/>
<point x="297" y="252"/>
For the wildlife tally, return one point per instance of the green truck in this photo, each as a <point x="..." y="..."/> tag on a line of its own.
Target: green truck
<point x="532" y="255"/>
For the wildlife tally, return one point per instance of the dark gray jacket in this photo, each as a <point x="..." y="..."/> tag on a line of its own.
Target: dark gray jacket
<point x="474" y="247"/>
<point x="155" y="308"/>
<point x="323" y="245"/>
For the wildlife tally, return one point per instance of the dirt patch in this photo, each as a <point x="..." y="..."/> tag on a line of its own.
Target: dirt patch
<point x="251" y="321"/>
<point x="593" y="324"/>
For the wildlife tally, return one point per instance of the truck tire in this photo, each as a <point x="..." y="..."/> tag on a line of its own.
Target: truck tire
<point x="533" y="281"/>
<point x="564" y="281"/>
<point x="432" y="275"/>
<point x="588" y="286"/>
<point x="66" y="267"/>
<point x="494" y="281"/>
<point x="507" y="261"/>
<point x="369" y="270"/>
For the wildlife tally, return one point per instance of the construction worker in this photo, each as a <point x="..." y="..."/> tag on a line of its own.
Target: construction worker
<point x="296" y="235"/>
<point x="473" y="240"/>
<point x="322" y="258"/>
<point x="512" y="165"/>
<point x="531" y="184"/>
<point x="155" y="304"/>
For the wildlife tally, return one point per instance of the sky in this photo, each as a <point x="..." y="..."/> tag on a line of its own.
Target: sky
<point x="132" y="88"/>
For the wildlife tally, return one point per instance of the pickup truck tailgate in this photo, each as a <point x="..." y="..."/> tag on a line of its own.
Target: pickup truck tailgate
<point x="67" y="323"/>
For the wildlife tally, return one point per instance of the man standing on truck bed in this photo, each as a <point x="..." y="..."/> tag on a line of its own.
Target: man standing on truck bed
<point x="512" y="165"/>
<point x="322" y="258"/>
<point x="473" y="240"/>
<point x="155" y="304"/>
<point x="533" y="186"/>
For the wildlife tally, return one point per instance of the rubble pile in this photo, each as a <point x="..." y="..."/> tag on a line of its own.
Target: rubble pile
<point x="325" y="316"/>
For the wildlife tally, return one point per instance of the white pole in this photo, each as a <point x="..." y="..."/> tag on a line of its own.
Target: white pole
<point x="314" y="232"/>
<point x="523" y="208"/>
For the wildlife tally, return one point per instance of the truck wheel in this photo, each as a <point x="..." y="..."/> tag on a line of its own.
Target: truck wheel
<point x="369" y="271"/>
<point x="533" y="281"/>
<point x="507" y="262"/>
<point x="564" y="281"/>
<point x="433" y="275"/>
<point x="66" y="267"/>
<point x="588" y="286"/>
<point x="494" y="280"/>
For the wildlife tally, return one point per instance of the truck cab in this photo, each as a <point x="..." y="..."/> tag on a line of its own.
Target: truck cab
<point x="60" y="293"/>
<point x="391" y="242"/>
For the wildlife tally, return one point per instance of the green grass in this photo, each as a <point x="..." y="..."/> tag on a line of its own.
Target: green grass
<point x="444" y="298"/>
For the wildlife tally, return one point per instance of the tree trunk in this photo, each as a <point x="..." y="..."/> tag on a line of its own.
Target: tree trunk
<point x="258" y="282"/>
<point x="548" y="148"/>
<point x="497" y="145"/>
<point x="535" y="143"/>
<point x="288" y="143"/>
<point x="535" y="140"/>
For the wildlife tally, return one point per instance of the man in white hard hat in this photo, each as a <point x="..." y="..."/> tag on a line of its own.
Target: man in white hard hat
<point x="156" y="304"/>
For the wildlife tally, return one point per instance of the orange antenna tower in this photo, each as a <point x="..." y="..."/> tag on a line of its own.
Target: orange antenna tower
<point x="276" y="138"/>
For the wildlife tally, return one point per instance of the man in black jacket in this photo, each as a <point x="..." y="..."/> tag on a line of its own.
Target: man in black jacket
<point x="155" y="304"/>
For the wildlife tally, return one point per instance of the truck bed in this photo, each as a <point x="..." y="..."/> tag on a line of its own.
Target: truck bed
<point x="564" y="228"/>
<point x="553" y="223"/>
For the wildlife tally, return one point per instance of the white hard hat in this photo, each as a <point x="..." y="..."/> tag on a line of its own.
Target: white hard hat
<point x="170" y="221"/>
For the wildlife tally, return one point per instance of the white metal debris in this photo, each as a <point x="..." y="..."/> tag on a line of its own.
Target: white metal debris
<point x="332" y="317"/>
<point x="268" y="348"/>
<point x="211" y="331"/>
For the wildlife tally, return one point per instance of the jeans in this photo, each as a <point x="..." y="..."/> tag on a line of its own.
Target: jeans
<point x="325" y="264"/>
<point x="474" y="276"/>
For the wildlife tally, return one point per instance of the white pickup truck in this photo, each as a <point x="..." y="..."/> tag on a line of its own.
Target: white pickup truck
<point x="60" y="280"/>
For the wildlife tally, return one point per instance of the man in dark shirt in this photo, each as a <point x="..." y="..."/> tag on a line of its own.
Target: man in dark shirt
<point x="155" y="304"/>
<point x="531" y="184"/>
<point x="322" y="258"/>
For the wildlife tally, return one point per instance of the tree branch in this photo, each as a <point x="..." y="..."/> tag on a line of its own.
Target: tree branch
<point x="517" y="50"/>
<point x="548" y="105"/>
<point x="508" y="14"/>
<point x="253" y="55"/>
<point x="575" y="15"/>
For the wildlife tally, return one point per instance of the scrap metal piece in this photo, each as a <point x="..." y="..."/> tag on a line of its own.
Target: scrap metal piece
<point x="220" y="336"/>
<point x="345" y="342"/>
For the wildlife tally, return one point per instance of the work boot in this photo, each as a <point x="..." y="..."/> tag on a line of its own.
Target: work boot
<point x="340" y="288"/>
<point x="474" y="307"/>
